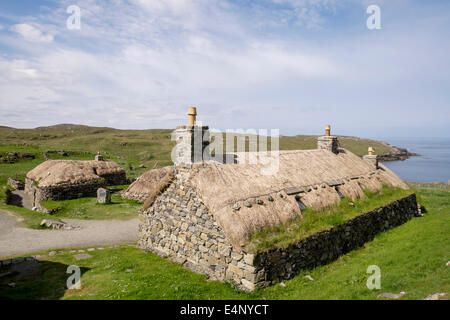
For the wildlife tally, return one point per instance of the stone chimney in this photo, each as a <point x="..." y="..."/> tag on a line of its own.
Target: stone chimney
<point x="192" y="142"/>
<point x="371" y="157"/>
<point x="98" y="157"/>
<point x="328" y="142"/>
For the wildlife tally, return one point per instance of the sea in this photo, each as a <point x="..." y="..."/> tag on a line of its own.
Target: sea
<point x="433" y="164"/>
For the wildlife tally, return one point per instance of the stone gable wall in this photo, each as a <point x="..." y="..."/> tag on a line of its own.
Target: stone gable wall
<point x="179" y="226"/>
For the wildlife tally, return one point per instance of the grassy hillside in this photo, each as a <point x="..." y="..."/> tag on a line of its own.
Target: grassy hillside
<point x="129" y="148"/>
<point x="142" y="145"/>
<point x="411" y="257"/>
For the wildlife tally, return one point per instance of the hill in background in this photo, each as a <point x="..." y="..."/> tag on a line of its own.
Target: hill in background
<point x="148" y="146"/>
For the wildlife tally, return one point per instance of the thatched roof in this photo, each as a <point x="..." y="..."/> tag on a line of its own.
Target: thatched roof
<point x="147" y="184"/>
<point x="310" y="174"/>
<point x="270" y="199"/>
<point x="56" y="172"/>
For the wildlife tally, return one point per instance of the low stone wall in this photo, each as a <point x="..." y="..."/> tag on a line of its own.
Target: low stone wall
<point x="61" y="192"/>
<point x="115" y="179"/>
<point x="321" y="248"/>
<point x="16" y="184"/>
<point x="179" y="226"/>
<point x="8" y="194"/>
<point x="72" y="190"/>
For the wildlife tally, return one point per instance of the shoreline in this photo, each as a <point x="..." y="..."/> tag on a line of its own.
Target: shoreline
<point x="396" y="154"/>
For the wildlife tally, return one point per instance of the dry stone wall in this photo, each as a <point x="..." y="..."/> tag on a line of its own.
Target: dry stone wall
<point x="115" y="179"/>
<point x="179" y="226"/>
<point x="321" y="248"/>
<point x="69" y="191"/>
<point x="16" y="184"/>
<point x="63" y="191"/>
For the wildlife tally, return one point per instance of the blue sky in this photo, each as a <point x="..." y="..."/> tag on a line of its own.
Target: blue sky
<point x="293" y="65"/>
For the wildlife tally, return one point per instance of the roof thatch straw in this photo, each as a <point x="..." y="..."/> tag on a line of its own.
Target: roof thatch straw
<point x="56" y="172"/>
<point x="147" y="184"/>
<point x="351" y="189"/>
<point x="315" y="172"/>
<point x="158" y="188"/>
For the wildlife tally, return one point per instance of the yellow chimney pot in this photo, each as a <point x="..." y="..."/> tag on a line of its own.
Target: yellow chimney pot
<point x="328" y="130"/>
<point x="192" y="114"/>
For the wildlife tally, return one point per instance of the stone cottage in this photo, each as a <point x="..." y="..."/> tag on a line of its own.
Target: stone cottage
<point x="71" y="179"/>
<point x="201" y="212"/>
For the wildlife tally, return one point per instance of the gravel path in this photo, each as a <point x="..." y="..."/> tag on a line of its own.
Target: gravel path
<point x="16" y="240"/>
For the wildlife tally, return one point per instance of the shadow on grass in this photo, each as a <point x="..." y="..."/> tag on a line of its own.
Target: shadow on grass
<point x="34" y="280"/>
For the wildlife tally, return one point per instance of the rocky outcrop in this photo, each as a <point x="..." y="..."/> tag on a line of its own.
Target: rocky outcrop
<point x="395" y="153"/>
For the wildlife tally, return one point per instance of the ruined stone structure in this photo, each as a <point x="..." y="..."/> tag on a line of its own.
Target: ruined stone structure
<point x="71" y="179"/>
<point x="202" y="213"/>
<point x="15" y="184"/>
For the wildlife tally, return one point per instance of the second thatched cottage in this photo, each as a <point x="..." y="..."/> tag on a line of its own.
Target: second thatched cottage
<point x="201" y="213"/>
<point x="71" y="179"/>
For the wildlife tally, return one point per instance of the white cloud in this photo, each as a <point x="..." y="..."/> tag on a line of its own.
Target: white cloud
<point x="309" y="13"/>
<point x="131" y="61"/>
<point x="30" y="33"/>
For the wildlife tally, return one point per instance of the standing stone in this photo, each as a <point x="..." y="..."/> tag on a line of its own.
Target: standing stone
<point x="103" y="195"/>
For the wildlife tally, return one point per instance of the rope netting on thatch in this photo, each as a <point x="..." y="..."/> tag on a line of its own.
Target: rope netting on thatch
<point x="314" y="171"/>
<point x="55" y="172"/>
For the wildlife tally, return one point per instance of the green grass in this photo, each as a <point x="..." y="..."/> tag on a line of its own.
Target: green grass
<point x="313" y="221"/>
<point x="412" y="258"/>
<point x="88" y="208"/>
<point x="84" y="208"/>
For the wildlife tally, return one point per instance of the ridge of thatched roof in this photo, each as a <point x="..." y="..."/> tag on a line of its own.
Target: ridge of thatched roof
<point x="56" y="172"/>
<point x="146" y="184"/>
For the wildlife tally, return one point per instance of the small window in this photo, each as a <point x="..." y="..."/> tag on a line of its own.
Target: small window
<point x="341" y="196"/>
<point x="301" y="205"/>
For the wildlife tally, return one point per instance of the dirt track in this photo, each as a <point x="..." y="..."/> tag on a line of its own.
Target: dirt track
<point x="16" y="240"/>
